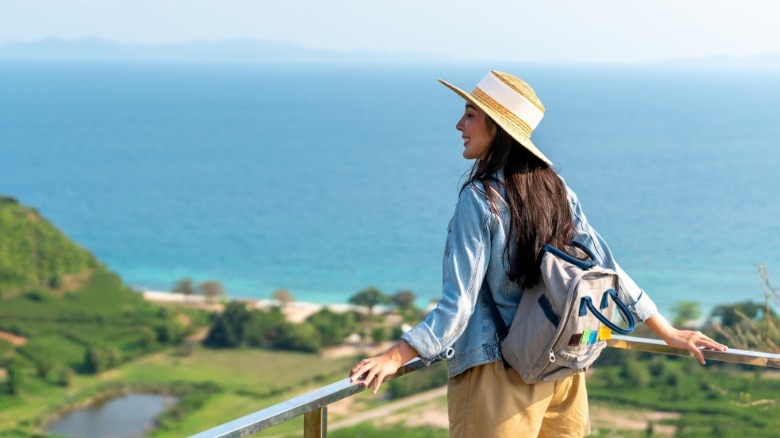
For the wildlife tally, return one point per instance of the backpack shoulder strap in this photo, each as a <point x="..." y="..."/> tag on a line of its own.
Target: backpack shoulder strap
<point x="582" y="264"/>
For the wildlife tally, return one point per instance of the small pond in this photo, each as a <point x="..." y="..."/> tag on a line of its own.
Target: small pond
<point x="128" y="416"/>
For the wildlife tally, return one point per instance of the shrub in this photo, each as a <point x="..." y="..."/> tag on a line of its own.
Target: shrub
<point x="228" y="328"/>
<point x="418" y="381"/>
<point x="43" y="366"/>
<point x="265" y="328"/>
<point x="333" y="327"/>
<point x="169" y="331"/>
<point x="396" y="332"/>
<point x="64" y="377"/>
<point x="38" y="296"/>
<point x="15" y="380"/>
<point x="298" y="337"/>
<point x="379" y="334"/>
<point x="99" y="358"/>
<point x="635" y="373"/>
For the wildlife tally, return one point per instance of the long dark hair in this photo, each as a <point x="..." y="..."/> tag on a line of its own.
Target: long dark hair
<point x="538" y="204"/>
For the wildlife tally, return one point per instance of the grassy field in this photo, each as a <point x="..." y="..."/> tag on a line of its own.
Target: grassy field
<point x="717" y="400"/>
<point x="60" y="326"/>
<point x="250" y="380"/>
<point x="727" y="400"/>
<point x="59" y="329"/>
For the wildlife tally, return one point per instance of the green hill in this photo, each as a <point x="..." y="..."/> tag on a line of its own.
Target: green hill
<point x="63" y="310"/>
<point x="34" y="253"/>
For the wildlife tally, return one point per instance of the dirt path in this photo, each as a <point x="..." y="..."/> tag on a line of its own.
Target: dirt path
<point x="199" y="335"/>
<point x="16" y="341"/>
<point x="603" y="417"/>
<point x="385" y="410"/>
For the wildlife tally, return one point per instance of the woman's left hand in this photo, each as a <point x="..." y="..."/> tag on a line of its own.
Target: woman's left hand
<point x="693" y="341"/>
<point x="373" y="370"/>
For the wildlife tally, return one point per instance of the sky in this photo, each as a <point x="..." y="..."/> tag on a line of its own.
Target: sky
<point x="543" y="30"/>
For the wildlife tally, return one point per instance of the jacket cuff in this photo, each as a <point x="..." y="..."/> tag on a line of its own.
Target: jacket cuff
<point x="422" y="339"/>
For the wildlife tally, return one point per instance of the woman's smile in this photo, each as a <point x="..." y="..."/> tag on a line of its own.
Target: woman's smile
<point x="478" y="132"/>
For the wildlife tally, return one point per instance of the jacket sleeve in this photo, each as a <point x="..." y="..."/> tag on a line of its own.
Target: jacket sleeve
<point x="638" y="301"/>
<point x="466" y="257"/>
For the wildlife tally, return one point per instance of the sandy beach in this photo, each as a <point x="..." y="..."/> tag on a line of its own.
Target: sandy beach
<point x="296" y="311"/>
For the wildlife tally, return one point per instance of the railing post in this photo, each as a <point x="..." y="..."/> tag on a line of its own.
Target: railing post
<point x="315" y="423"/>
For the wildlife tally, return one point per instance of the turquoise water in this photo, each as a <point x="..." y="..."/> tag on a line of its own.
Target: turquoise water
<point x="326" y="180"/>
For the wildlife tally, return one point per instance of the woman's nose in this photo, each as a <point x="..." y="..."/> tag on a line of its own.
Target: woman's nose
<point x="459" y="125"/>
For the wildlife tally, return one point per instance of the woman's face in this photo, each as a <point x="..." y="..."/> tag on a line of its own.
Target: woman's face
<point x="477" y="130"/>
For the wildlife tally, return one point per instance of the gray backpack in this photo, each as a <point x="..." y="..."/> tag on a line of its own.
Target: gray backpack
<point x="561" y="324"/>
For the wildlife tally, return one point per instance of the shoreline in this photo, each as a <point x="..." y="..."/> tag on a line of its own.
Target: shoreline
<point x="295" y="311"/>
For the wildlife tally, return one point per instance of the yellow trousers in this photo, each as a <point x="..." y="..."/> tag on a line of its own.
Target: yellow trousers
<point x="492" y="401"/>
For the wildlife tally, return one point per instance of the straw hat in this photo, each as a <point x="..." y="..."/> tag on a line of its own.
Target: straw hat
<point x="511" y="103"/>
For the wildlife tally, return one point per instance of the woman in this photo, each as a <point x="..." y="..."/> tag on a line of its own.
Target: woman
<point x="512" y="204"/>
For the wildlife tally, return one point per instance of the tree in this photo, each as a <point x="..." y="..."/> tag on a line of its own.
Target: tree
<point x="64" y="376"/>
<point x="379" y="334"/>
<point x="369" y="298"/>
<point x="15" y="379"/>
<point x="685" y="311"/>
<point x="185" y="286"/>
<point x="168" y="331"/>
<point x="99" y="358"/>
<point x="298" y="337"/>
<point x="333" y="327"/>
<point x="264" y="328"/>
<point x="283" y="296"/>
<point x="212" y="289"/>
<point x="404" y="299"/>
<point x="729" y="314"/>
<point x="43" y="366"/>
<point x="229" y="327"/>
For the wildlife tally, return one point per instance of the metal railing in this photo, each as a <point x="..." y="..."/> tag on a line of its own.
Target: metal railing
<point x="314" y="405"/>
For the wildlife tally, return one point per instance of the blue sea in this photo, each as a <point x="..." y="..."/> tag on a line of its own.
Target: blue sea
<point x="325" y="180"/>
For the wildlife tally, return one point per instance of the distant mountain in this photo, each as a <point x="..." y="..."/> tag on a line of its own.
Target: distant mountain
<point x="226" y="50"/>
<point x="762" y="61"/>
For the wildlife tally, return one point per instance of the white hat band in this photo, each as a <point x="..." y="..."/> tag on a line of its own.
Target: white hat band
<point x="511" y="100"/>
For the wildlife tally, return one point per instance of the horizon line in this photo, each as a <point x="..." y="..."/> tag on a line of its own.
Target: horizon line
<point x="689" y="61"/>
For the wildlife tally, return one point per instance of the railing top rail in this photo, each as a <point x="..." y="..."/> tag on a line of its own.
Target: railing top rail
<point x="286" y="410"/>
<point x="746" y="357"/>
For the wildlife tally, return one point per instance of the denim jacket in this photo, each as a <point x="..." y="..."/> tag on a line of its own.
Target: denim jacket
<point x="461" y="327"/>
